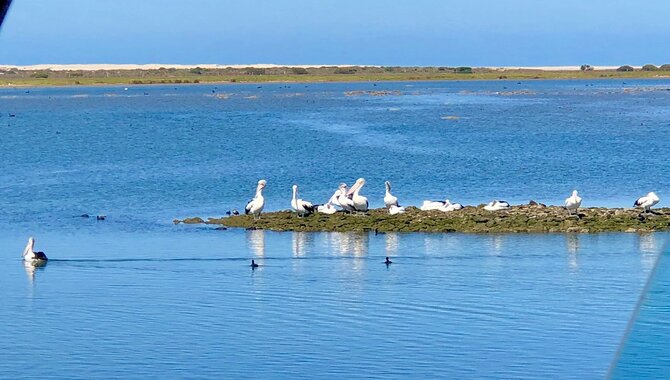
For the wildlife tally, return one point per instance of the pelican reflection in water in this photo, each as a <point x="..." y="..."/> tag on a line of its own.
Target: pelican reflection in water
<point x="352" y="244"/>
<point x="300" y="242"/>
<point x="572" y="246"/>
<point x="31" y="268"/>
<point x="649" y="248"/>
<point x="256" y="241"/>
<point x="391" y="242"/>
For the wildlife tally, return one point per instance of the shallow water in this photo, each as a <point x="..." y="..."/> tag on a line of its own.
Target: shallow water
<point x="136" y="296"/>
<point x="503" y="306"/>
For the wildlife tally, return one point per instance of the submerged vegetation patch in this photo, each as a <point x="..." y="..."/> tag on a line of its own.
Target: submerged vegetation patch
<point x="469" y="219"/>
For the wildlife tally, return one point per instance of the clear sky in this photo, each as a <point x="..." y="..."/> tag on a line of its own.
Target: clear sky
<point x="376" y="32"/>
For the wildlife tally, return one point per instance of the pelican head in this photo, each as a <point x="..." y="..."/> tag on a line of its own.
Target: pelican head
<point x="262" y="183"/>
<point x="652" y="195"/>
<point x="388" y="185"/>
<point x="574" y="193"/>
<point x="295" y="188"/>
<point x="357" y="185"/>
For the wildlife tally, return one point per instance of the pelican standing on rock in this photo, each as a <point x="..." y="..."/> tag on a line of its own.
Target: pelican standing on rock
<point x="301" y="207"/>
<point x="573" y="203"/>
<point x="360" y="202"/>
<point x="390" y="199"/>
<point x="343" y="199"/>
<point x="647" y="201"/>
<point x="255" y="206"/>
<point x="497" y="205"/>
<point x="334" y="199"/>
<point x="31" y="256"/>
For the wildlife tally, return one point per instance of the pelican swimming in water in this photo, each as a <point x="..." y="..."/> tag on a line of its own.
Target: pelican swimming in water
<point x="360" y="202"/>
<point x="390" y="199"/>
<point x="31" y="256"/>
<point x="255" y="206"/>
<point x="497" y="205"/>
<point x="302" y="208"/>
<point x="573" y="203"/>
<point x="647" y="201"/>
<point x="344" y="200"/>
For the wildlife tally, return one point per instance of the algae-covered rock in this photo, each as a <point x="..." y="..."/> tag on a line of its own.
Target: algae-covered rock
<point x="470" y="219"/>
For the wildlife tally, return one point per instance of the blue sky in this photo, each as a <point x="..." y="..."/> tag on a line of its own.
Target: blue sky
<point x="417" y="32"/>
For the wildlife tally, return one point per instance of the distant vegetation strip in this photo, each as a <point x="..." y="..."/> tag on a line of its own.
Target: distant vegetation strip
<point x="18" y="77"/>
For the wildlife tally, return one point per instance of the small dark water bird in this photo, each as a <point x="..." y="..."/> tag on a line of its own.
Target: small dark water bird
<point x="253" y="265"/>
<point x="235" y="212"/>
<point x="388" y="261"/>
<point x="100" y="217"/>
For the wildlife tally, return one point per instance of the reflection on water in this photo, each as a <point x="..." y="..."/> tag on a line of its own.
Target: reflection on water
<point x="256" y="242"/>
<point x="300" y="243"/>
<point x="350" y="243"/>
<point x="31" y="268"/>
<point x="496" y="243"/>
<point x="572" y="245"/>
<point x="649" y="249"/>
<point x="391" y="243"/>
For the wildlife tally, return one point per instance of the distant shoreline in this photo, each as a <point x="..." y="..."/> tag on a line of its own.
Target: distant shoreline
<point x="156" y="66"/>
<point x="130" y="74"/>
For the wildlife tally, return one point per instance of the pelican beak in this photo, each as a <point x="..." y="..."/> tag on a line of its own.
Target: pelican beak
<point x="353" y="189"/>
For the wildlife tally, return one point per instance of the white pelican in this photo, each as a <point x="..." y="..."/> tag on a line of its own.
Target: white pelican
<point x="31" y="256"/>
<point x="343" y="199"/>
<point x="389" y="199"/>
<point x="334" y="199"/>
<point x="328" y="209"/>
<point x="573" y="203"/>
<point x="497" y="205"/>
<point x="360" y="202"/>
<point x="301" y="207"/>
<point x="647" y="201"/>
<point x="393" y="210"/>
<point x="448" y="206"/>
<point x="434" y="205"/>
<point x="255" y="206"/>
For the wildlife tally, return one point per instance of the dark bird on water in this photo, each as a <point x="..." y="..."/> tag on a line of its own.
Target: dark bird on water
<point x="253" y="264"/>
<point x="388" y="261"/>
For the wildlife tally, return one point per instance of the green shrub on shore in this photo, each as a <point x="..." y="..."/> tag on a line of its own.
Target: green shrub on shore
<point x="649" y="68"/>
<point x="299" y="71"/>
<point x="463" y="70"/>
<point x="625" y="68"/>
<point x="40" y="75"/>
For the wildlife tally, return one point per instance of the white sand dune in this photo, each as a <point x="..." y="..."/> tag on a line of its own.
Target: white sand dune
<point x="152" y="66"/>
<point x="155" y="66"/>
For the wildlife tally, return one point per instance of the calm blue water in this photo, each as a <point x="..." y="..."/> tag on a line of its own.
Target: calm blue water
<point x="136" y="296"/>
